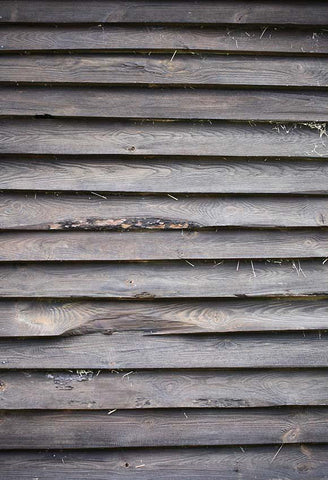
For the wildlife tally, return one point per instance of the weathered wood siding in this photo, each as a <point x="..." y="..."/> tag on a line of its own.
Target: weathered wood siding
<point x="164" y="240"/>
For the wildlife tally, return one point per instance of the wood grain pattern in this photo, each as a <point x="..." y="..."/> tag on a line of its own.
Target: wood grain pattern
<point x="174" y="103"/>
<point x="19" y="318"/>
<point x="225" y="244"/>
<point x="238" y="39"/>
<point x="37" y="211"/>
<point x="68" y="136"/>
<point x="133" y="351"/>
<point x="211" y="463"/>
<point x="161" y="428"/>
<point x="159" y="389"/>
<point x="161" y="175"/>
<point x="164" y="279"/>
<point x="188" y="69"/>
<point x="291" y="12"/>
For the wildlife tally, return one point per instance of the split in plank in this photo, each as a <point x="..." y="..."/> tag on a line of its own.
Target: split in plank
<point x="159" y="428"/>
<point x="82" y="212"/>
<point x="21" y="318"/>
<point x="212" y="463"/>
<point x="159" y="245"/>
<point x="161" y="175"/>
<point x="161" y="389"/>
<point x="291" y="12"/>
<point x="164" y="279"/>
<point x="138" y="351"/>
<point x="160" y="69"/>
<point x="174" y="103"/>
<point x="240" y="39"/>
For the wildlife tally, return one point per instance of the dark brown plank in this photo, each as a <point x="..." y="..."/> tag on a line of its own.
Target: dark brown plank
<point x="123" y="390"/>
<point x="291" y="12"/>
<point x="163" y="175"/>
<point x="72" y="136"/>
<point x="238" y="244"/>
<point x="154" y="38"/>
<point x="188" y="69"/>
<point x="166" y="103"/>
<point x="213" y="463"/>
<point x="162" y="428"/>
<point x="19" y="318"/>
<point x="37" y="211"/>
<point x="164" y="279"/>
<point x="132" y="351"/>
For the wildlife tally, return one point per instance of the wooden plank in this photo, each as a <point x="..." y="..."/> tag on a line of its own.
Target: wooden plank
<point x="73" y="136"/>
<point x="161" y="175"/>
<point x="141" y="428"/>
<point x="226" y="244"/>
<point x="164" y="279"/>
<point x="166" y="103"/>
<point x="133" y="351"/>
<point x="297" y="12"/>
<point x="159" y="389"/>
<point x="19" y="318"/>
<point x="154" y="38"/>
<point x="211" y="463"/>
<point x="187" y="69"/>
<point x="37" y="211"/>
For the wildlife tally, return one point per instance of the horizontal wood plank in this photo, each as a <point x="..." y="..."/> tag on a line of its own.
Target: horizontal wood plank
<point x="37" y="211"/>
<point x="240" y="39"/>
<point x="137" y="351"/>
<point x="161" y="428"/>
<point x="19" y="318"/>
<point x="161" y="175"/>
<point x="186" y="69"/>
<point x="164" y="279"/>
<point x="172" y="103"/>
<point x="73" y="136"/>
<point x="113" y="246"/>
<point x="143" y="390"/>
<point x="212" y="463"/>
<point x="291" y="12"/>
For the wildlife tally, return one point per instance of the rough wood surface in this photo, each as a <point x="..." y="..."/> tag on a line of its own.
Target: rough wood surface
<point x="161" y="175"/>
<point x="137" y="351"/>
<point x="291" y="12"/>
<point x="160" y="69"/>
<point x="116" y="102"/>
<point x="37" y="211"/>
<point x="238" y="39"/>
<point x="165" y="279"/>
<point x="155" y="389"/>
<point x="140" y="428"/>
<point x="73" y="136"/>
<point x="224" y="244"/>
<point x="213" y="463"/>
<point x="19" y="318"/>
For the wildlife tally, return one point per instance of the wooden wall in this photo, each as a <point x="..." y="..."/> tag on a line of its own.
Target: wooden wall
<point x="163" y="246"/>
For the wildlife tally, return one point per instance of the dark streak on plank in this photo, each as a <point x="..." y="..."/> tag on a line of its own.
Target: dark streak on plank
<point x="113" y="246"/>
<point x="291" y="12"/>
<point x="174" y="103"/>
<point x="161" y="175"/>
<point x="212" y="463"/>
<point x="83" y="212"/>
<point x="240" y="39"/>
<point x="160" y="69"/>
<point x="73" y="136"/>
<point x="19" y="318"/>
<point x="138" y="428"/>
<point x="133" y="351"/>
<point x="159" y="389"/>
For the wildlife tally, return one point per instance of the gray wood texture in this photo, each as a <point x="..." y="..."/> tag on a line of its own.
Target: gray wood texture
<point x="160" y="389"/>
<point x="160" y="69"/>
